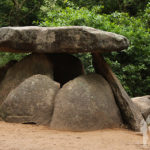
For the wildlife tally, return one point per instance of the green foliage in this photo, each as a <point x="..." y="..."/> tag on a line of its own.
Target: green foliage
<point x="86" y="60"/>
<point x="85" y="3"/>
<point x="5" y="7"/>
<point x="19" y="12"/>
<point x="146" y="16"/>
<point x="6" y="57"/>
<point x="46" y="7"/>
<point x="132" y="66"/>
<point x="133" y="7"/>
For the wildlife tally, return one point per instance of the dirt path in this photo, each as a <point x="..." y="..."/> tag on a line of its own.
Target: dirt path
<point x="32" y="137"/>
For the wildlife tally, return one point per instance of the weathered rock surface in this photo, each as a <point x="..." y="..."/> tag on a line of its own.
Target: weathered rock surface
<point x="4" y="69"/>
<point x="31" y="101"/>
<point x="65" y="67"/>
<point x="30" y="65"/>
<point x="143" y="104"/>
<point x="85" y="103"/>
<point x="130" y="114"/>
<point x="71" y="39"/>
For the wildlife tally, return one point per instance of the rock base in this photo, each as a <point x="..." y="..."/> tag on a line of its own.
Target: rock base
<point x="85" y="102"/>
<point x="30" y="93"/>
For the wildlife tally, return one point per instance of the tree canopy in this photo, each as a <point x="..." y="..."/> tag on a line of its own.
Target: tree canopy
<point x="130" y="18"/>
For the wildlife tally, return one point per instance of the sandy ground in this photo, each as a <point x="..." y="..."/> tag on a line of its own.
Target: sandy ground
<point x="32" y="137"/>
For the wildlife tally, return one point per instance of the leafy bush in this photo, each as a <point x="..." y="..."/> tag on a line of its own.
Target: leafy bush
<point x="146" y="16"/>
<point x="109" y="6"/>
<point x="19" y="12"/>
<point x="6" y="57"/>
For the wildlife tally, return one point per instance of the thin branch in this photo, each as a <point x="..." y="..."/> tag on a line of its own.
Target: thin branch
<point x="29" y="12"/>
<point x="20" y="6"/>
<point x="16" y="4"/>
<point x="10" y="15"/>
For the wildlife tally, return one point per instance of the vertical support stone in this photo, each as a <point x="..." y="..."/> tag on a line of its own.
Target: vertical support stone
<point x="130" y="114"/>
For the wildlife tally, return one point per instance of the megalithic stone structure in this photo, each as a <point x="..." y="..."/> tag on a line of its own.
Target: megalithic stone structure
<point x="72" y="39"/>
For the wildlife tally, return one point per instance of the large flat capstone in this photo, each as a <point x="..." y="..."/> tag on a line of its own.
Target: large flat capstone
<point x="71" y="39"/>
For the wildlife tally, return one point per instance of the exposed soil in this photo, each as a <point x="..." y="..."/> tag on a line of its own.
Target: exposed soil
<point x="32" y="137"/>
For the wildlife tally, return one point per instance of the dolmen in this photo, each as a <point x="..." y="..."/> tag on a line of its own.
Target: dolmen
<point x="49" y="86"/>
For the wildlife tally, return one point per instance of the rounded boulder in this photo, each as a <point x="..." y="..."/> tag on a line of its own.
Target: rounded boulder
<point x="85" y="103"/>
<point x="31" y="102"/>
<point x="28" y="66"/>
<point x="143" y="104"/>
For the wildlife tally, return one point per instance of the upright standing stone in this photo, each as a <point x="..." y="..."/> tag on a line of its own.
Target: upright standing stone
<point x="130" y="114"/>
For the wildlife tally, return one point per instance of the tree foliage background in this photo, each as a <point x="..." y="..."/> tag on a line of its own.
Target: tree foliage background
<point x="130" y="18"/>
